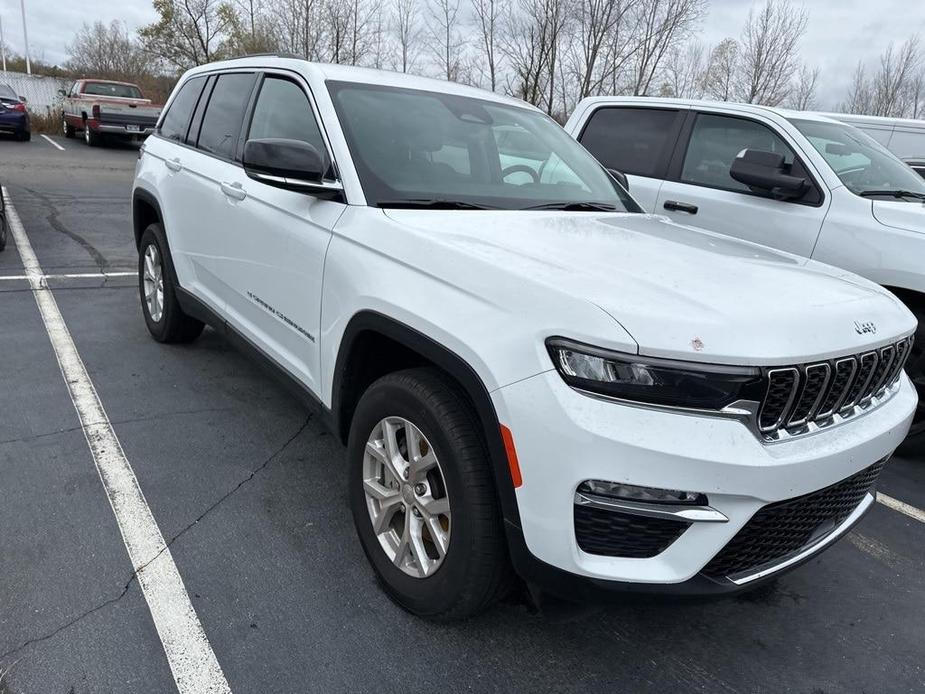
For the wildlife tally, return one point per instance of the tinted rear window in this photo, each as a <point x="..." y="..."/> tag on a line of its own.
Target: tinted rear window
<point x="176" y="120"/>
<point x="123" y="91"/>
<point x="632" y="140"/>
<point x="7" y="92"/>
<point x="221" y="124"/>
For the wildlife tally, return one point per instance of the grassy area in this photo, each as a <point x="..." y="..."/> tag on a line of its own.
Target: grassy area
<point x="48" y="123"/>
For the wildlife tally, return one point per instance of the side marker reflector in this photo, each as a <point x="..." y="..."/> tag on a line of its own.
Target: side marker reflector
<point x="511" y="452"/>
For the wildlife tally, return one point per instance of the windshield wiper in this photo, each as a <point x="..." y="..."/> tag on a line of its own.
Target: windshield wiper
<point x="893" y="193"/>
<point x="575" y="206"/>
<point x="433" y="204"/>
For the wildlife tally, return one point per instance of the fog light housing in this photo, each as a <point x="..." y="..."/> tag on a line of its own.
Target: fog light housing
<point x="645" y="495"/>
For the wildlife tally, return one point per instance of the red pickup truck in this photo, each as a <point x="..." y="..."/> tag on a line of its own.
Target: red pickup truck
<point x="103" y="108"/>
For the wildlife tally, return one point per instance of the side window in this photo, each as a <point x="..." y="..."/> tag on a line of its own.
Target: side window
<point x="283" y="110"/>
<point x="176" y="120"/>
<point x="717" y="140"/>
<point x="221" y="124"/>
<point x="635" y="141"/>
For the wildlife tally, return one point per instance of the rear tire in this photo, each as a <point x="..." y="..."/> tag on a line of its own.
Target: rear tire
<point x="25" y="136"/>
<point x="68" y="129"/>
<point x="472" y="571"/>
<point x="157" y="285"/>
<point x="91" y="138"/>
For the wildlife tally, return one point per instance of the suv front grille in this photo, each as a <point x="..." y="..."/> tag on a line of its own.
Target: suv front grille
<point x="783" y="529"/>
<point x="815" y="393"/>
<point x="615" y="534"/>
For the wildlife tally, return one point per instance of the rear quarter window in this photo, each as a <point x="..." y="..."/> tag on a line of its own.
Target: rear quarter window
<point x="176" y="120"/>
<point x="635" y="141"/>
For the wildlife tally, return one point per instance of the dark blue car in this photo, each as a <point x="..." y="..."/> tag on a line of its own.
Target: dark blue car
<point x="13" y="115"/>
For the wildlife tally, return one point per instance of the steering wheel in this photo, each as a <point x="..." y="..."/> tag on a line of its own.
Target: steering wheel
<point x="520" y="168"/>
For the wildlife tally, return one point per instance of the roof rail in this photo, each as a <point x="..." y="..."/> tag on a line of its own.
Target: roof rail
<point x="270" y="54"/>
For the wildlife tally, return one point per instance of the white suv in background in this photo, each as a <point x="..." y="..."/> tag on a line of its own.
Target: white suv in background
<point x="800" y="182"/>
<point x="526" y="370"/>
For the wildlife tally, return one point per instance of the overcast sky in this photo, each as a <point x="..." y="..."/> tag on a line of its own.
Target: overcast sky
<point x="840" y="31"/>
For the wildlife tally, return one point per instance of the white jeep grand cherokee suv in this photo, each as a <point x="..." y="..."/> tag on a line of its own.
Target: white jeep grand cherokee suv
<point x="527" y="371"/>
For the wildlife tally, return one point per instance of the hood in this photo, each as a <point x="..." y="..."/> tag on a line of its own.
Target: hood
<point x="909" y="216"/>
<point x="679" y="292"/>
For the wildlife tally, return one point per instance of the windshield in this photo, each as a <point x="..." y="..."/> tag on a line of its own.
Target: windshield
<point x="125" y="91"/>
<point x="417" y="147"/>
<point x="862" y="163"/>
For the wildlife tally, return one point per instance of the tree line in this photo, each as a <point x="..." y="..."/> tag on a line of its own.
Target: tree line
<point x="550" y="53"/>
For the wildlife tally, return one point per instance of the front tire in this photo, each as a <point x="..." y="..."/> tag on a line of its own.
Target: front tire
<point x="423" y="496"/>
<point x="915" y="368"/>
<point x="163" y="315"/>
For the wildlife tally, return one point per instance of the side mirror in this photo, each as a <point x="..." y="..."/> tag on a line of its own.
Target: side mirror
<point x="62" y="92"/>
<point x="765" y="171"/>
<point x="620" y="178"/>
<point x="289" y="164"/>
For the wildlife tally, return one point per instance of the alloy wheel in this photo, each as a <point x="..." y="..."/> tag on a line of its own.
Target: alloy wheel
<point x="153" y="279"/>
<point x="406" y="497"/>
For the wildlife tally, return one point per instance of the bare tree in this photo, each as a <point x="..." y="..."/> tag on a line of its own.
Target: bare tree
<point x="600" y="44"/>
<point x="685" y="72"/>
<point x="532" y="47"/>
<point x="407" y="32"/>
<point x="300" y="27"/>
<point x="249" y="28"/>
<point x="770" y="52"/>
<point x="660" y="25"/>
<point x="109" y="52"/>
<point x="721" y="70"/>
<point x="187" y="33"/>
<point x="445" y="38"/>
<point x="487" y="19"/>
<point x="803" y="93"/>
<point x="893" y="82"/>
<point x="895" y="89"/>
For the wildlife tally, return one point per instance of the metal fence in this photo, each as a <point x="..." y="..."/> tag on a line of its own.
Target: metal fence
<point x="41" y="93"/>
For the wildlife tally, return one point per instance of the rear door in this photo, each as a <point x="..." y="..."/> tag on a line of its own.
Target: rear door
<point x="209" y="160"/>
<point x="274" y="241"/>
<point x="700" y="192"/>
<point x="637" y="141"/>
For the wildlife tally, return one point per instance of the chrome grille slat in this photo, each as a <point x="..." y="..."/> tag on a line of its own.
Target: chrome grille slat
<point x="845" y="369"/>
<point x="815" y="379"/>
<point x="803" y="398"/>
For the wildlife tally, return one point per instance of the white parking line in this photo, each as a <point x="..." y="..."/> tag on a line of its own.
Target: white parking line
<point x="53" y="143"/>
<point x="70" y="276"/>
<point x="190" y="656"/>
<point x="901" y="506"/>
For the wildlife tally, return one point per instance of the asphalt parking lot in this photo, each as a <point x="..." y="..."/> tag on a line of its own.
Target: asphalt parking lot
<point x="249" y="493"/>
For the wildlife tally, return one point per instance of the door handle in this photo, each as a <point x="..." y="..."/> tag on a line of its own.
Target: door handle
<point x="173" y="164"/>
<point x="680" y="206"/>
<point x="234" y="191"/>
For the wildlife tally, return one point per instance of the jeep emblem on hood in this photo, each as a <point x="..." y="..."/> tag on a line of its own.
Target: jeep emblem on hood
<point x="867" y="327"/>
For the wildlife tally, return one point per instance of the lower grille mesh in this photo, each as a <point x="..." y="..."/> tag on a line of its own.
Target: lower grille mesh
<point x="785" y="527"/>
<point x="616" y="534"/>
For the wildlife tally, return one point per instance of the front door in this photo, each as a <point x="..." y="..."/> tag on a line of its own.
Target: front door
<point x="703" y="194"/>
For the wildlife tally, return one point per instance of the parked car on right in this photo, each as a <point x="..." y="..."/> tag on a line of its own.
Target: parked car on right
<point x="801" y="182"/>
<point x="904" y="137"/>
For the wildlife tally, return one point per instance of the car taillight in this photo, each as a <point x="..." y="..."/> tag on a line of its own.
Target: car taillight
<point x="19" y="107"/>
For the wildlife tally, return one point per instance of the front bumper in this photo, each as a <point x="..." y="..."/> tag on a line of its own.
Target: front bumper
<point x="563" y="438"/>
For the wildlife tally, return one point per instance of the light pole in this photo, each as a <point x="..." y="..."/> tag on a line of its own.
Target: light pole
<point x="25" y="36"/>
<point x="2" y="46"/>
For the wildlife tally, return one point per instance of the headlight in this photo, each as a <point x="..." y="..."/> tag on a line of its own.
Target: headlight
<point x="653" y="381"/>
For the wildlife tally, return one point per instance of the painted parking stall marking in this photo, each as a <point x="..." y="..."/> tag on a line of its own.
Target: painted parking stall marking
<point x="68" y="276"/>
<point x="52" y="142"/>
<point x="189" y="654"/>
<point x="901" y="506"/>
